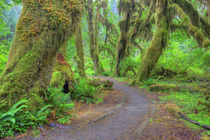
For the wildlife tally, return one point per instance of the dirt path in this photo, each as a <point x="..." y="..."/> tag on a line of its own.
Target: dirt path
<point x="120" y="125"/>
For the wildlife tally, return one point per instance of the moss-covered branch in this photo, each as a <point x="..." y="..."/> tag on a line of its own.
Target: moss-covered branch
<point x="195" y="32"/>
<point x="194" y="16"/>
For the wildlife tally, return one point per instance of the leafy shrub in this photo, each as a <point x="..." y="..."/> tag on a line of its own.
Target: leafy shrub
<point x="128" y="64"/>
<point x="60" y="101"/>
<point x="180" y="57"/>
<point x="19" y="119"/>
<point x="84" y="92"/>
<point x="130" y="74"/>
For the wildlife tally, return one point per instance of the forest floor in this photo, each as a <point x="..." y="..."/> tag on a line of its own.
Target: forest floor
<point x="140" y="116"/>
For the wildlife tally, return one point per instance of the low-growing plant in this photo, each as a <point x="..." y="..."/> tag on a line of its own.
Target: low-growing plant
<point x="194" y="105"/>
<point x="19" y="119"/>
<point x="65" y="119"/>
<point x="84" y="92"/>
<point x="61" y="102"/>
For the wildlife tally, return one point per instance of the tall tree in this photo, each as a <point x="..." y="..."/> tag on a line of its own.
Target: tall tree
<point x="94" y="52"/>
<point x="159" y="41"/>
<point x="125" y="8"/>
<point x="80" y="52"/>
<point x="42" y="29"/>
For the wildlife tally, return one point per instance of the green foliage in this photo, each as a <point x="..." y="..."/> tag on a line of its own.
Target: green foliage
<point x="3" y="56"/>
<point x="182" y="57"/>
<point x="19" y="119"/>
<point x="60" y="101"/>
<point x="9" y="116"/>
<point x="84" y="92"/>
<point x="129" y="64"/>
<point x="64" y="120"/>
<point x="194" y="105"/>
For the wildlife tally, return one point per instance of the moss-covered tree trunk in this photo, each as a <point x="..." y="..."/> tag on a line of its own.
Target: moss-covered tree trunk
<point x="80" y="52"/>
<point x="43" y="27"/>
<point x="159" y="42"/>
<point x="63" y="75"/>
<point x="94" y="52"/>
<point x="124" y="7"/>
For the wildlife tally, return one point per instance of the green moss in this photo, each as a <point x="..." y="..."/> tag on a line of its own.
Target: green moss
<point x="57" y="79"/>
<point x="43" y="28"/>
<point x="163" y="87"/>
<point x="196" y="33"/>
<point x="206" y="43"/>
<point x="159" y="42"/>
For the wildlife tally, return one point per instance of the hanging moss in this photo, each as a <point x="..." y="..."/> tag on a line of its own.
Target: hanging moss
<point x="195" y="32"/>
<point x="194" y="16"/>
<point x="43" y="27"/>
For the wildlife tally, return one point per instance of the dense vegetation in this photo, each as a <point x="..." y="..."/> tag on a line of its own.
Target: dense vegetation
<point x="49" y="48"/>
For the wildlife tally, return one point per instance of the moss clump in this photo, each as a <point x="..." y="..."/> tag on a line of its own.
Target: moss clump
<point x="57" y="79"/>
<point x="63" y="73"/>
<point x="173" y="109"/>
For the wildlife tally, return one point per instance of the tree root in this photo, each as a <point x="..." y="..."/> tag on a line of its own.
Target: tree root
<point x="194" y="122"/>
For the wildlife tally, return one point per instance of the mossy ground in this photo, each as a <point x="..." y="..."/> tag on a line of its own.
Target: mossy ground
<point x="190" y="98"/>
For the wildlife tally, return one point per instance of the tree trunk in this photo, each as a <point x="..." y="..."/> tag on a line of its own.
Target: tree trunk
<point x="42" y="29"/>
<point x="159" y="42"/>
<point x="124" y="7"/>
<point x="63" y="76"/>
<point x="80" y="52"/>
<point x="94" y="52"/>
<point x="122" y="48"/>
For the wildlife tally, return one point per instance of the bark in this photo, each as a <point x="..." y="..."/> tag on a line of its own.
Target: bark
<point x="63" y="75"/>
<point x="94" y="52"/>
<point x="159" y="42"/>
<point x="42" y="29"/>
<point x="80" y="52"/>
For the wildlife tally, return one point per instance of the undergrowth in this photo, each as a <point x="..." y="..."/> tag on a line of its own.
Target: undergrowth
<point x="85" y="92"/>
<point x="196" y="106"/>
<point x="19" y="119"/>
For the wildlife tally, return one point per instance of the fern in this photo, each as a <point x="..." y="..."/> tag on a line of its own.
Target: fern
<point x="43" y="110"/>
<point x="10" y="115"/>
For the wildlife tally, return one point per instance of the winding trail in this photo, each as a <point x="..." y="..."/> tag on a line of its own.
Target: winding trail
<point x="122" y="124"/>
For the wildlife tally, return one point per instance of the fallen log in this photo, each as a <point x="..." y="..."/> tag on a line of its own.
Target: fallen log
<point x="99" y="82"/>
